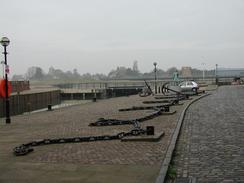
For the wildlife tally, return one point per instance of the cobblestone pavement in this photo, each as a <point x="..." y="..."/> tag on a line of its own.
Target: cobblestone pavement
<point x="211" y="144"/>
<point x="104" y="161"/>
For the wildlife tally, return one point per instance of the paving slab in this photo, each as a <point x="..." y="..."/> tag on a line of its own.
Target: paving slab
<point x="101" y="161"/>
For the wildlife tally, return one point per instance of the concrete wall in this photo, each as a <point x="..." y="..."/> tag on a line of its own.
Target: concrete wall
<point x="80" y="96"/>
<point x="30" y="102"/>
<point x="118" y="92"/>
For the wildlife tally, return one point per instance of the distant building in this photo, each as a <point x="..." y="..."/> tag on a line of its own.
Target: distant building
<point x="186" y="72"/>
<point x="229" y="72"/>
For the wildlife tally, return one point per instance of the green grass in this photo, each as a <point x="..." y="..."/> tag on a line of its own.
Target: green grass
<point x="171" y="172"/>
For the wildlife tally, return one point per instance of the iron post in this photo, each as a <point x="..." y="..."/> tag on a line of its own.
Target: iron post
<point x="216" y="74"/>
<point x="203" y="71"/>
<point x="155" y="76"/>
<point x="5" y="42"/>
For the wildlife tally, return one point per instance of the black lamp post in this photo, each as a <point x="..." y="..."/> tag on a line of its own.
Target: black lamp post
<point x="216" y="74"/>
<point x="5" y="42"/>
<point x="155" y="76"/>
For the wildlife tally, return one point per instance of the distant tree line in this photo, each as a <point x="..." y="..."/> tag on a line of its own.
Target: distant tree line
<point x="37" y="73"/>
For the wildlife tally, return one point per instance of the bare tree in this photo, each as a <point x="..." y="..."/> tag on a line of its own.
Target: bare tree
<point x="135" y="66"/>
<point x="34" y="73"/>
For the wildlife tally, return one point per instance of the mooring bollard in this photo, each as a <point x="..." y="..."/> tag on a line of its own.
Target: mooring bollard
<point x="49" y="107"/>
<point x="150" y="130"/>
<point x="166" y="108"/>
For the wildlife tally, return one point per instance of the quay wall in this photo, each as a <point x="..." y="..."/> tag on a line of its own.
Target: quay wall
<point x="100" y="94"/>
<point x="21" y="103"/>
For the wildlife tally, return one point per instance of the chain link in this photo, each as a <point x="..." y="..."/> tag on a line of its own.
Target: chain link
<point x="27" y="148"/>
<point x="159" y="110"/>
<point x="136" y="108"/>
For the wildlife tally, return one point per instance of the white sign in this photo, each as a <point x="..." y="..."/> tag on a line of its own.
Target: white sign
<point x="7" y="69"/>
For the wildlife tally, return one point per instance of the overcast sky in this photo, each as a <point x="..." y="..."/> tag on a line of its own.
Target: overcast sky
<point x="98" y="35"/>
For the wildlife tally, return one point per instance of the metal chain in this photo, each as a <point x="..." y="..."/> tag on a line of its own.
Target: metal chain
<point x="27" y="148"/>
<point x="170" y="102"/>
<point x="135" y="108"/>
<point x="158" y="111"/>
<point x="110" y="122"/>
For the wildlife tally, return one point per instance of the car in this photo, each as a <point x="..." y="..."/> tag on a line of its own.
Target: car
<point x="189" y="86"/>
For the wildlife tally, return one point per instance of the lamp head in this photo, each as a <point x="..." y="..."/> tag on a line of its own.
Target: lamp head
<point x="4" y="41"/>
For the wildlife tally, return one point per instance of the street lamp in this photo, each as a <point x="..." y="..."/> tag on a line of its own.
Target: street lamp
<point x="216" y="74"/>
<point x="5" y="42"/>
<point x="203" y="71"/>
<point x="155" y="76"/>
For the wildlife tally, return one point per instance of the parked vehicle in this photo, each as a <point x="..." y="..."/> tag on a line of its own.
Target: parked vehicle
<point x="189" y="86"/>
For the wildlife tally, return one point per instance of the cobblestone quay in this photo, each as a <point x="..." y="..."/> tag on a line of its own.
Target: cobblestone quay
<point x="211" y="144"/>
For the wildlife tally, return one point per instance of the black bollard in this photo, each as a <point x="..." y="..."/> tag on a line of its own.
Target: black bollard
<point x="166" y="108"/>
<point x="49" y="107"/>
<point x="150" y="130"/>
